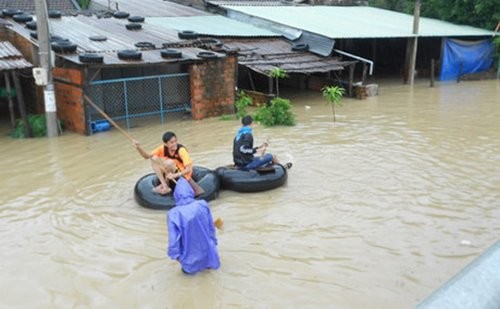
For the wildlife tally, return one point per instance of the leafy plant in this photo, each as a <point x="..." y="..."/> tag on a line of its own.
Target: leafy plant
<point x="333" y="95"/>
<point x="37" y="124"/>
<point x="277" y="73"/>
<point x="278" y="113"/>
<point x="242" y="101"/>
<point x="225" y="117"/>
<point x="84" y="4"/>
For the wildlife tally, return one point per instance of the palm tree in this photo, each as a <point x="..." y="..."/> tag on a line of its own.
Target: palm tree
<point x="278" y="73"/>
<point x="333" y="95"/>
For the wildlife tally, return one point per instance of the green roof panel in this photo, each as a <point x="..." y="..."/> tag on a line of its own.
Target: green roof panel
<point x="340" y="22"/>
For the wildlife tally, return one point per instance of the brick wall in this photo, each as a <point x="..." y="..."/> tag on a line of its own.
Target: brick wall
<point x="212" y="87"/>
<point x="69" y="98"/>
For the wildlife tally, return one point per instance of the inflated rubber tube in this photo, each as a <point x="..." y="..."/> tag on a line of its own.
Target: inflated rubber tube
<point x="22" y="18"/>
<point x="146" y="197"/>
<point x="55" y="14"/>
<point x="252" y="181"/>
<point x="90" y="58"/>
<point x="133" y="26"/>
<point x="136" y="19"/>
<point x="11" y="12"/>
<point x="31" y="25"/>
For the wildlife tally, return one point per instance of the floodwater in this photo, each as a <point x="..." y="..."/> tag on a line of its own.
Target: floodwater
<point x="379" y="209"/>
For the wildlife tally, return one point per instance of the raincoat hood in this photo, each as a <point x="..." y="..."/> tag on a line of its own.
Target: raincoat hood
<point x="183" y="193"/>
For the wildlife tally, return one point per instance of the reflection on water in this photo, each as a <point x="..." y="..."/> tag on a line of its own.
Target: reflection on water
<point x="379" y="209"/>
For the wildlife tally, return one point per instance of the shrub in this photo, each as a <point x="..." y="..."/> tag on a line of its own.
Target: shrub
<point x="242" y="101"/>
<point x="276" y="114"/>
<point x="37" y="124"/>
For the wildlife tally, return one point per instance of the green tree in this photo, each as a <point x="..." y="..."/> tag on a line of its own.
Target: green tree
<point x="277" y="73"/>
<point x="333" y="95"/>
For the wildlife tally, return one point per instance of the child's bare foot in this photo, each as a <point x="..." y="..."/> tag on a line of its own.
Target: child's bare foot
<point x="161" y="190"/>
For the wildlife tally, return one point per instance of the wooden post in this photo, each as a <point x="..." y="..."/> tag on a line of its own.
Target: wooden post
<point x="271" y="91"/>
<point x="363" y="78"/>
<point x="9" y="97"/>
<point x="433" y="65"/>
<point x="351" y="78"/>
<point x="413" y="59"/>
<point x="251" y="79"/>
<point x="20" y="102"/>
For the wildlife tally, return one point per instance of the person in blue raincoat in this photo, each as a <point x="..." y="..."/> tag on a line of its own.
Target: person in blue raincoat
<point x="191" y="231"/>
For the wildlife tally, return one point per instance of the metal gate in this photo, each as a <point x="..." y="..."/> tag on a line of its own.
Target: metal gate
<point x="128" y="98"/>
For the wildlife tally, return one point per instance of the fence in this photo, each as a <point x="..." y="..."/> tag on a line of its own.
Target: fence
<point x="128" y="98"/>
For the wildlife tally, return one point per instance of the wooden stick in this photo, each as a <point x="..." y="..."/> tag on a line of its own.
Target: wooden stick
<point x="108" y="118"/>
<point x="116" y="126"/>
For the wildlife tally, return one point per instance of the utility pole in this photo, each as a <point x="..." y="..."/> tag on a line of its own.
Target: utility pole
<point x="413" y="58"/>
<point x="44" y="51"/>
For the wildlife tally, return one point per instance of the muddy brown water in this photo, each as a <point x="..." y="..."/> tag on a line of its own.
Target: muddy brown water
<point x="378" y="211"/>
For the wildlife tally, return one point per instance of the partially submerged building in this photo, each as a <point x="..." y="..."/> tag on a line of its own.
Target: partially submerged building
<point x="377" y="38"/>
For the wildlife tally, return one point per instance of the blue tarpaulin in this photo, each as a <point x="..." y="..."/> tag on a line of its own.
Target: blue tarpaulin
<point x="463" y="57"/>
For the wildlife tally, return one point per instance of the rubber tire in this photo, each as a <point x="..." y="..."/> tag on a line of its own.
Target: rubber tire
<point x="136" y="19"/>
<point x="144" y="195"/>
<point x="90" y="58"/>
<point x="133" y="26"/>
<point x="22" y="18"/>
<point x="55" y="14"/>
<point x="129" y="55"/>
<point x="251" y="181"/>
<point x="171" y="54"/>
<point x="34" y="35"/>
<point x="11" y="12"/>
<point x="120" y="15"/>
<point x="145" y="45"/>
<point x="63" y="47"/>
<point x="207" y="55"/>
<point x="300" y="47"/>
<point x="98" y="38"/>
<point x="188" y="35"/>
<point x="31" y="25"/>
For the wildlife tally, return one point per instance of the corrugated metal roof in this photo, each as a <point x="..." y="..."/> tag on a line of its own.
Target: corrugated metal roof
<point x="79" y="29"/>
<point x="29" y="5"/>
<point x="250" y="3"/>
<point x="262" y="56"/>
<point x="212" y="25"/>
<point x="356" y="22"/>
<point x="151" y="8"/>
<point x="11" y="58"/>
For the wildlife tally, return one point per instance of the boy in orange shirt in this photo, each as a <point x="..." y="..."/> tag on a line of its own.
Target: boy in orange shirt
<point x="169" y="161"/>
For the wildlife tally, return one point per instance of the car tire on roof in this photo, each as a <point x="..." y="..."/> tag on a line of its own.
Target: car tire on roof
<point x="207" y="55"/>
<point x="55" y="14"/>
<point x="188" y="35"/>
<point x="90" y="58"/>
<point x="31" y="25"/>
<point x="63" y="47"/>
<point x="121" y="14"/>
<point x="11" y="12"/>
<point x="145" y="45"/>
<point x="129" y="55"/>
<point x="300" y="47"/>
<point x="133" y="26"/>
<point x="136" y="19"/>
<point x="98" y="38"/>
<point x="34" y="35"/>
<point x="171" y="53"/>
<point x="22" y="18"/>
